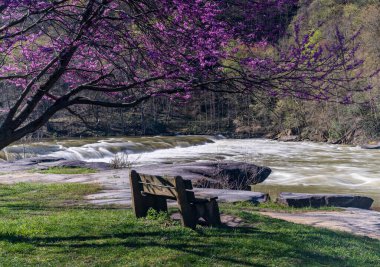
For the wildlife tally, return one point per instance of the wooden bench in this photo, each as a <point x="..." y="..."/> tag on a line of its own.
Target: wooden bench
<point x="151" y="191"/>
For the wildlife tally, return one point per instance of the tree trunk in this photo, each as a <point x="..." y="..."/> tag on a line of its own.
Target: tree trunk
<point x="7" y="138"/>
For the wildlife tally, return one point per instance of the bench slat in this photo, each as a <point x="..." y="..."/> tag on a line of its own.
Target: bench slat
<point x="163" y="180"/>
<point x="158" y="180"/>
<point x="189" y="194"/>
<point x="159" y="190"/>
<point x="163" y="186"/>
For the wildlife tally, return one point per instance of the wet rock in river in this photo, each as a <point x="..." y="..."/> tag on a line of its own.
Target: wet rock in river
<point x="42" y="160"/>
<point x="289" y="138"/>
<point x="371" y="146"/>
<point x="300" y="200"/>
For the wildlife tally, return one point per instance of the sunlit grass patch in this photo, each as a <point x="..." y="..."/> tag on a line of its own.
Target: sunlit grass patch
<point x="66" y="170"/>
<point x="278" y="207"/>
<point x="39" y="196"/>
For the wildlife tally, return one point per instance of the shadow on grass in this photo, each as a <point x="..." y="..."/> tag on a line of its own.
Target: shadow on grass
<point x="59" y="207"/>
<point x="127" y="240"/>
<point x="204" y="243"/>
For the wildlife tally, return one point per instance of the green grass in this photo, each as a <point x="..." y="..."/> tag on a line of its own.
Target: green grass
<point x="66" y="170"/>
<point x="37" y="227"/>
<point x="277" y="207"/>
<point x="33" y="196"/>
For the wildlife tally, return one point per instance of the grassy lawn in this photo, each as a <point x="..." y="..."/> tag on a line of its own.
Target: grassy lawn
<point x="50" y="225"/>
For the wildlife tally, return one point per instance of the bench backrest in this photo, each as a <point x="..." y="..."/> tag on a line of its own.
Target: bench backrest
<point x="165" y="186"/>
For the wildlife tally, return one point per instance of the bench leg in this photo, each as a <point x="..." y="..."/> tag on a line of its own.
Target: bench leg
<point x="209" y="211"/>
<point x="213" y="214"/>
<point x="187" y="210"/>
<point x="188" y="214"/>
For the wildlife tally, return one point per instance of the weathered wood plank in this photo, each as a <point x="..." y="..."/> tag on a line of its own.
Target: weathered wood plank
<point x="138" y="202"/>
<point x="159" y="190"/>
<point x="156" y="179"/>
<point x="187" y="211"/>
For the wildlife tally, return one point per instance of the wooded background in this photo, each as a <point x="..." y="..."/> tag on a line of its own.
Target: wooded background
<point x="251" y="115"/>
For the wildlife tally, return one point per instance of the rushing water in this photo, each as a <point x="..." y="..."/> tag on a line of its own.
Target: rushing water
<point x="297" y="166"/>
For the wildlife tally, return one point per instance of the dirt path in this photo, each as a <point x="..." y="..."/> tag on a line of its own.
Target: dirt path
<point x="355" y="221"/>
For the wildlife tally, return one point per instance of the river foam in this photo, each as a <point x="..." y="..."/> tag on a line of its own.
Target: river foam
<point x="302" y="164"/>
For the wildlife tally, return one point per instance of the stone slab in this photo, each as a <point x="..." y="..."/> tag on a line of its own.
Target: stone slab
<point x="300" y="200"/>
<point x="231" y="196"/>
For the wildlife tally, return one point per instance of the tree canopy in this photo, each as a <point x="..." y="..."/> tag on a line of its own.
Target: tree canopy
<point x="59" y="53"/>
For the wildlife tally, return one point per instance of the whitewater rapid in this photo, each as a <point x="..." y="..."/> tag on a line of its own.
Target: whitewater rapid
<point x="301" y="163"/>
<point x="308" y="165"/>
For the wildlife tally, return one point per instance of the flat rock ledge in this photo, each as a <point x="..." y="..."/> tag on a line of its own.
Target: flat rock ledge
<point x="46" y="162"/>
<point x="300" y="200"/>
<point x="352" y="220"/>
<point x="232" y="196"/>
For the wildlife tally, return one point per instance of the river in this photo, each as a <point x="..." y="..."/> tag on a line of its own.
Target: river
<point x="297" y="166"/>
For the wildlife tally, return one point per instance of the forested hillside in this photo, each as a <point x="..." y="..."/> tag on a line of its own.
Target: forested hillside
<point x="256" y="114"/>
<point x="330" y="121"/>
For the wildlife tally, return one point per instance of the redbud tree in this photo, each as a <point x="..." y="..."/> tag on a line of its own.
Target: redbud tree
<point x="58" y="54"/>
